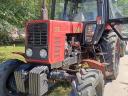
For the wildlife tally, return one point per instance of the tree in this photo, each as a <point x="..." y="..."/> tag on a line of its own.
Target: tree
<point x="13" y="13"/>
<point x="122" y="5"/>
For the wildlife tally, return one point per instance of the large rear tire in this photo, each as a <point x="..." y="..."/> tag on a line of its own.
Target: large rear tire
<point x="88" y="83"/>
<point x="6" y="70"/>
<point x="110" y="45"/>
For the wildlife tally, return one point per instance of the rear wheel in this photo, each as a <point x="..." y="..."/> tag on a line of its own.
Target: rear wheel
<point x="110" y="45"/>
<point x="88" y="83"/>
<point x="7" y="81"/>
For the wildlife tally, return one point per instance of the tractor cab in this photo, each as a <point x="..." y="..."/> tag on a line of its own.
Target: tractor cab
<point x="118" y="18"/>
<point x="74" y="10"/>
<point x="101" y="11"/>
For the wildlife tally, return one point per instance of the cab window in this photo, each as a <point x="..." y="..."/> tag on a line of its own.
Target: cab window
<point x="74" y="10"/>
<point x="118" y="8"/>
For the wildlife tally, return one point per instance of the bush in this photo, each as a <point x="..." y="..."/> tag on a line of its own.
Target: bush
<point x="5" y="38"/>
<point x="5" y="29"/>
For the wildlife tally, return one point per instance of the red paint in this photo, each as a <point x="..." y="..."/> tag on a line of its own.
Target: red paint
<point x="95" y="65"/>
<point x="57" y="31"/>
<point x="99" y="19"/>
<point x="108" y="27"/>
<point x="37" y="61"/>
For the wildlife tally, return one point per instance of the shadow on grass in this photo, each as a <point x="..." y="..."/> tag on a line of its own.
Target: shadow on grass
<point x="13" y="44"/>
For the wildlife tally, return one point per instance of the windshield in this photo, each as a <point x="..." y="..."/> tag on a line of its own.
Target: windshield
<point x="75" y="10"/>
<point x="118" y="8"/>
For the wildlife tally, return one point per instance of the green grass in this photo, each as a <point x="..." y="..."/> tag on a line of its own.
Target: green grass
<point x="62" y="89"/>
<point x="6" y="52"/>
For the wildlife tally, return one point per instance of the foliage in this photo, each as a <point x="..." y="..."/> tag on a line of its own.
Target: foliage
<point x="14" y="13"/>
<point x="5" y="27"/>
<point x="122" y="6"/>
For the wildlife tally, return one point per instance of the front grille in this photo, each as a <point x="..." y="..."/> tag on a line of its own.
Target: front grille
<point x="37" y="34"/>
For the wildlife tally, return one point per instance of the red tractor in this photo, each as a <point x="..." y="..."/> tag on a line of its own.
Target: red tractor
<point x="78" y="43"/>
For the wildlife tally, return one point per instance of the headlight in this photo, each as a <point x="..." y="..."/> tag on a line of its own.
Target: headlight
<point x="29" y="52"/>
<point x="43" y="53"/>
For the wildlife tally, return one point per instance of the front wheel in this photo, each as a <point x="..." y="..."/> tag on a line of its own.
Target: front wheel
<point x="7" y="82"/>
<point x="88" y="83"/>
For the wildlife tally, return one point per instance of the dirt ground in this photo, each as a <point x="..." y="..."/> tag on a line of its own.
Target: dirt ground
<point x="119" y="87"/>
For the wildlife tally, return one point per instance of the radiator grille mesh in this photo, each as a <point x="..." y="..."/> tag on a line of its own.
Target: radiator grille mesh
<point x="37" y="34"/>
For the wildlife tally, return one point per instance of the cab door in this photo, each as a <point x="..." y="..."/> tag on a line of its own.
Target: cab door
<point x="118" y="17"/>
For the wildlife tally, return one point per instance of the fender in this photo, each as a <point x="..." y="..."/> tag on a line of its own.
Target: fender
<point x="95" y="65"/>
<point x="20" y="53"/>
